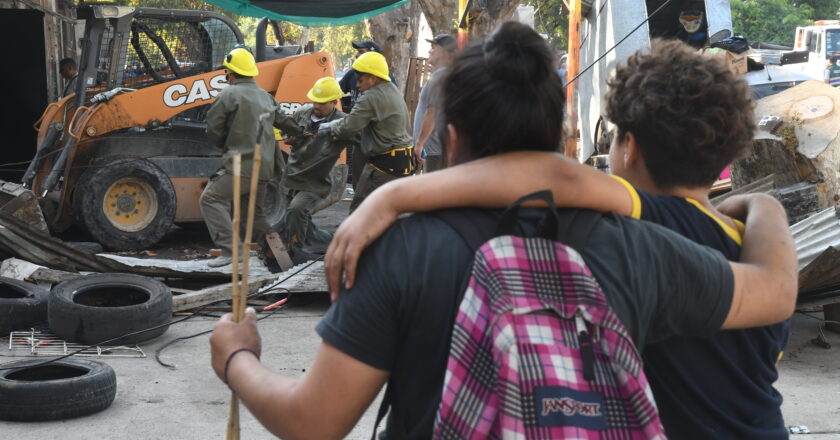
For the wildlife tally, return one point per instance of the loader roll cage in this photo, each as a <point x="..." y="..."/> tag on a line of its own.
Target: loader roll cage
<point x="142" y="47"/>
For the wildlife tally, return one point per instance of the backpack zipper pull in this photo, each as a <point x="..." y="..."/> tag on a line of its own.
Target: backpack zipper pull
<point x="585" y="343"/>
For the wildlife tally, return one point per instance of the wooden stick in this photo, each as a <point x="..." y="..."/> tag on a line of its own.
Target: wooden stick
<point x="241" y="294"/>
<point x="233" y="417"/>
<point x="249" y="225"/>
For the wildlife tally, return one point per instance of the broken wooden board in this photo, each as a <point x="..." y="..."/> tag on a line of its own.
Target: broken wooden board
<point x="763" y="185"/>
<point x="221" y="292"/>
<point x="306" y="277"/>
<point x="310" y="278"/>
<point x="18" y="269"/>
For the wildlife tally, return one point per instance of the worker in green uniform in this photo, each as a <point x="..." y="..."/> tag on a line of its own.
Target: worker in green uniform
<point x="832" y="72"/>
<point x="381" y="116"/>
<point x="241" y="117"/>
<point x="311" y="160"/>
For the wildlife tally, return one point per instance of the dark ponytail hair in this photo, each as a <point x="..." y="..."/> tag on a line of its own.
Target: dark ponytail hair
<point x="503" y="95"/>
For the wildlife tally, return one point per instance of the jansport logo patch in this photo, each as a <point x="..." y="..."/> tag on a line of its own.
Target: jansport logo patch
<point x="570" y="407"/>
<point x="562" y="406"/>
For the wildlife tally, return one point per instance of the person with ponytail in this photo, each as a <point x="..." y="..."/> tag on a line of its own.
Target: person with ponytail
<point x="394" y="326"/>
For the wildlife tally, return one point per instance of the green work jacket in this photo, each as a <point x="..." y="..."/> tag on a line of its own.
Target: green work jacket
<point x="381" y="116"/>
<point x="233" y="123"/>
<point x="312" y="157"/>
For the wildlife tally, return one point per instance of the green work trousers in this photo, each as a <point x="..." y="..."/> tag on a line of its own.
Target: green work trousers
<point x="301" y="231"/>
<point x="370" y="179"/>
<point x="216" y="209"/>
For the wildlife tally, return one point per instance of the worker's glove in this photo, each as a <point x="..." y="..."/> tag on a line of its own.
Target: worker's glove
<point x="324" y="128"/>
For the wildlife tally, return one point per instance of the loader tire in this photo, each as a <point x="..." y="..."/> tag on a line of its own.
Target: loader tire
<point x="100" y="307"/>
<point x="125" y="204"/>
<point x="59" y="390"/>
<point x="22" y="305"/>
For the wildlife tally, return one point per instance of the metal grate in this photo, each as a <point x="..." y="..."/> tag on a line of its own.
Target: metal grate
<point x="39" y="343"/>
<point x="161" y="49"/>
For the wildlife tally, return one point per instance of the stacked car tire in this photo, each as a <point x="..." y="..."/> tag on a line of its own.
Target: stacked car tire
<point x="112" y="309"/>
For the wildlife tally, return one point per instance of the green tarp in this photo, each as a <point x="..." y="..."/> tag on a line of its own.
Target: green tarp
<point x="311" y="13"/>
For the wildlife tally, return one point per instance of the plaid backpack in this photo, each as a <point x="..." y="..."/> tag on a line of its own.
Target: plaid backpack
<point x="536" y="351"/>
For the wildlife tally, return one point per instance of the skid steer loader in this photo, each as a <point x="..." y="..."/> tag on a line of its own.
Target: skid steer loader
<point x="126" y="156"/>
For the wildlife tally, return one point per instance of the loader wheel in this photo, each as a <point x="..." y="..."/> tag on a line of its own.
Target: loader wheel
<point x="126" y="204"/>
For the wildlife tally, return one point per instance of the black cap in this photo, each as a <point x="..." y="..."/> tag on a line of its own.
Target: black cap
<point x="445" y="41"/>
<point x="368" y="44"/>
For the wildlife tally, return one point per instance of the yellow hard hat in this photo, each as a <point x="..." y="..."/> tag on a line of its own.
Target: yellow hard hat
<point x="373" y="63"/>
<point x="241" y="61"/>
<point x="325" y="90"/>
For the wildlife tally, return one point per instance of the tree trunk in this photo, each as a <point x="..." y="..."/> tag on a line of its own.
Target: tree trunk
<point x="396" y="32"/>
<point x="440" y="14"/>
<point x="487" y="14"/>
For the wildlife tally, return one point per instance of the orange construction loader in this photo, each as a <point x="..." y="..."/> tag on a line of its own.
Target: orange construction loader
<point x="126" y="156"/>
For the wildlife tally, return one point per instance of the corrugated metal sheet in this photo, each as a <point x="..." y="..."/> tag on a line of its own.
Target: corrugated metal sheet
<point x="817" y="241"/>
<point x="815" y="234"/>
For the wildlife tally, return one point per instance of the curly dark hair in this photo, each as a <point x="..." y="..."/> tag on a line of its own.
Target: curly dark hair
<point x="690" y="115"/>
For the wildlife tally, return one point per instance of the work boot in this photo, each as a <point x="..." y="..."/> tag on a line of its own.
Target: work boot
<point x="220" y="261"/>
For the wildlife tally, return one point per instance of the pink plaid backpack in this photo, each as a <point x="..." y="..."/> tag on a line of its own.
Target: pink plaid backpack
<point x="536" y="351"/>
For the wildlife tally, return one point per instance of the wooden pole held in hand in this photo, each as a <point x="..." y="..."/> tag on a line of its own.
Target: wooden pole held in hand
<point x="233" y="418"/>
<point x="240" y="295"/>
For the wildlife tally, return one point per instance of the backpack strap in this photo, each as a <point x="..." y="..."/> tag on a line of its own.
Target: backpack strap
<point x="383" y="409"/>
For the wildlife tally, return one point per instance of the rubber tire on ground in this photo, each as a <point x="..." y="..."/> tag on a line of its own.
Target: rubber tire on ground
<point x="86" y="324"/>
<point x="90" y="194"/>
<point x="56" y="396"/>
<point x="22" y="304"/>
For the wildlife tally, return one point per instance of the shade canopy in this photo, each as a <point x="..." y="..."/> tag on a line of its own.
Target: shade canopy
<point x="311" y="13"/>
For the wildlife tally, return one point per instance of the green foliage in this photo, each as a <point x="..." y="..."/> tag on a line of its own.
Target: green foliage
<point x="776" y="20"/>
<point x="551" y="19"/>
<point x="337" y="41"/>
<point x="823" y="9"/>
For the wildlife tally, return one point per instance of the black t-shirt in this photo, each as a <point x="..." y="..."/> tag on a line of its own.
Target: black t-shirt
<point x="399" y="315"/>
<point x="719" y="387"/>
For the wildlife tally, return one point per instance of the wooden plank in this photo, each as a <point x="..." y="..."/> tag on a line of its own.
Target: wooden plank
<point x="212" y="294"/>
<point x="311" y="278"/>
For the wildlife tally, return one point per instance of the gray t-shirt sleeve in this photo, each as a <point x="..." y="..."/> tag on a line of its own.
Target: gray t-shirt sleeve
<point x="660" y="284"/>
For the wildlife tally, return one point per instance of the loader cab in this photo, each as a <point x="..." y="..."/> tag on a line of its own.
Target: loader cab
<point x="141" y="47"/>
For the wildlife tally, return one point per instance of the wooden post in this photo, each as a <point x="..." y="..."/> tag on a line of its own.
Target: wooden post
<point x="572" y="69"/>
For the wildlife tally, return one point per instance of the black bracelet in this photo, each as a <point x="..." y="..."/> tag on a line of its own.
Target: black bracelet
<point x="234" y="353"/>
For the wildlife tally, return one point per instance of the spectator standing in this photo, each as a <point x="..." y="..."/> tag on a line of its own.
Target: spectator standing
<point x="426" y="137"/>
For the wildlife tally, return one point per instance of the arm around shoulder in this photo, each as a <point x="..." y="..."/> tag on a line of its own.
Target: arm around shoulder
<point x="766" y="278"/>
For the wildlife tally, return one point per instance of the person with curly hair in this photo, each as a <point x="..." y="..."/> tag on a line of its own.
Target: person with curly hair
<point x="680" y="119"/>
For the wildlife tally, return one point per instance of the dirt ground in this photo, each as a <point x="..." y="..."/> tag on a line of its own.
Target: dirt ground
<point x="189" y="402"/>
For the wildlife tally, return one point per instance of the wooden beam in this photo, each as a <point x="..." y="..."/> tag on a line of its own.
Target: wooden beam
<point x="209" y="295"/>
